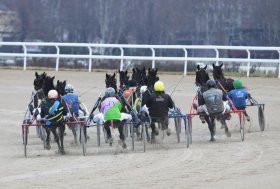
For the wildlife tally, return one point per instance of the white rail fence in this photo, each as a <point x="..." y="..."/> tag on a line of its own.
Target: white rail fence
<point x="185" y="48"/>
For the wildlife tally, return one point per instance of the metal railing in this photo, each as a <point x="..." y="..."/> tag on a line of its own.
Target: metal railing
<point x="185" y="48"/>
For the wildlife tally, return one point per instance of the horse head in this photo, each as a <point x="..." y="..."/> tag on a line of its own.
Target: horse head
<point x="48" y="84"/>
<point x="123" y="79"/>
<point x="225" y="84"/>
<point x="218" y="72"/>
<point x="139" y="75"/>
<point x="60" y="87"/>
<point x="38" y="81"/>
<point x="201" y="76"/>
<point x="152" y="77"/>
<point x="111" y="81"/>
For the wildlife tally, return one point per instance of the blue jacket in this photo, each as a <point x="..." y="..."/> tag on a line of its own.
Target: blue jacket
<point x="238" y="97"/>
<point x="73" y="101"/>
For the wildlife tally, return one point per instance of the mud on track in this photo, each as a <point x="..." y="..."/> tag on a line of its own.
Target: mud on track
<point x="226" y="163"/>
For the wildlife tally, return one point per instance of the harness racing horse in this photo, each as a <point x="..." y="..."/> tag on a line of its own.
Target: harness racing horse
<point x="111" y="81"/>
<point x="139" y="75"/>
<point x="60" y="87"/>
<point x="48" y="84"/>
<point x="152" y="78"/>
<point x="225" y="84"/>
<point x="38" y="95"/>
<point x="201" y="78"/>
<point x="123" y="80"/>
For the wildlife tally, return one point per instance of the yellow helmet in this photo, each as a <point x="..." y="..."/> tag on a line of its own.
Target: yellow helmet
<point x="159" y="86"/>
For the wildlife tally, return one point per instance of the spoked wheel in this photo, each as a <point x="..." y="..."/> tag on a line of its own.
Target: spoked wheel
<point x="190" y="128"/>
<point x="261" y="118"/>
<point x="143" y="125"/>
<point x="178" y="128"/>
<point x="83" y="139"/>
<point x="132" y="135"/>
<point x="98" y="134"/>
<point x="242" y="123"/>
<point x="187" y="132"/>
<point x="126" y="130"/>
<point x="25" y="136"/>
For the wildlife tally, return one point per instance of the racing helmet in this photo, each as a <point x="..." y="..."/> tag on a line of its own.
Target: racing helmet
<point x="126" y="93"/>
<point x="132" y="83"/>
<point x="69" y="88"/>
<point x="211" y="84"/>
<point x="159" y="86"/>
<point x="52" y="94"/>
<point x="237" y="84"/>
<point x="110" y="92"/>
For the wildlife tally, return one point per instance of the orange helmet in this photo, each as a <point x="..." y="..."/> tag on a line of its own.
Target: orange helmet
<point x="126" y="93"/>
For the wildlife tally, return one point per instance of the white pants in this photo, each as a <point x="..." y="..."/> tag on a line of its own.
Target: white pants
<point x="99" y="118"/>
<point x="203" y="108"/>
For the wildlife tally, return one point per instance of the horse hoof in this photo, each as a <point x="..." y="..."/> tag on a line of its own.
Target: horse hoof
<point x="168" y="132"/>
<point x="48" y="146"/>
<point x="212" y="139"/>
<point x="228" y="134"/>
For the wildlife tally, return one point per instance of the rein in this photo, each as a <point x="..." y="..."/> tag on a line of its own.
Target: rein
<point x="176" y="85"/>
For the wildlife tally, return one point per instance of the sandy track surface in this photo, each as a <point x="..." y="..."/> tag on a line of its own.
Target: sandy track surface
<point x="226" y="163"/>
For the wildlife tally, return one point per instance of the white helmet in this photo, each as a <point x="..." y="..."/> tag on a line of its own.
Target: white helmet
<point x="69" y="88"/>
<point x="52" y="94"/>
<point x="143" y="89"/>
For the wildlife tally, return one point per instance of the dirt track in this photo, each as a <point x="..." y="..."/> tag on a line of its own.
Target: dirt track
<point x="226" y="163"/>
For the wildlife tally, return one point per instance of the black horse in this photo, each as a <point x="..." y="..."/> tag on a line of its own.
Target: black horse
<point x="111" y="81"/>
<point x="201" y="78"/>
<point x="140" y="76"/>
<point x="60" y="87"/>
<point x="225" y="84"/>
<point x="38" y="94"/>
<point x="124" y="78"/>
<point x="48" y="84"/>
<point x="152" y="78"/>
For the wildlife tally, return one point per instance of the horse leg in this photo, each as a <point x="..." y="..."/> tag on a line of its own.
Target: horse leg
<point x="73" y="129"/>
<point x="211" y="126"/>
<point x="61" y="137"/>
<point x="56" y="138"/>
<point x="122" y="137"/>
<point x="223" y="122"/>
<point x="48" y="146"/>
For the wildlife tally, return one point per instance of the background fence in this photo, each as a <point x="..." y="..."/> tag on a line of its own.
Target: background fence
<point x="153" y="53"/>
